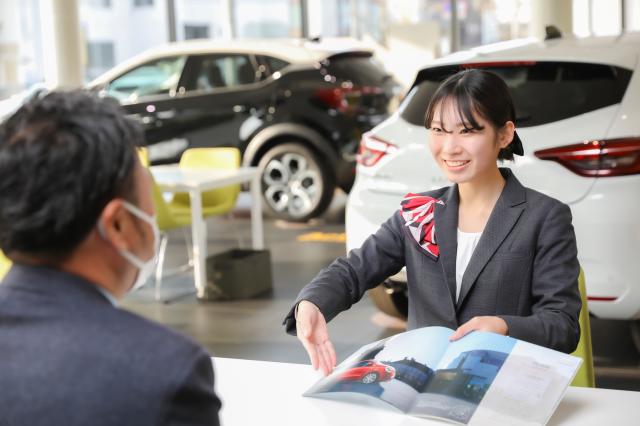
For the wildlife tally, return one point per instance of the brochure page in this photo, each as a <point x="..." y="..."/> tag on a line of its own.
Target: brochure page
<point x="393" y="370"/>
<point x="483" y="378"/>
<point x="463" y="376"/>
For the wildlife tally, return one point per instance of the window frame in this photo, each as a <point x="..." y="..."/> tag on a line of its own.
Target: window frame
<point x="192" y="70"/>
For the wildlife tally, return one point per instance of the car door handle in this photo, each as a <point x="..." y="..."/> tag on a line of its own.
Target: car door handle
<point x="165" y="115"/>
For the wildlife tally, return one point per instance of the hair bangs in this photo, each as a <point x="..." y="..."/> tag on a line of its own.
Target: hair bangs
<point x="460" y="97"/>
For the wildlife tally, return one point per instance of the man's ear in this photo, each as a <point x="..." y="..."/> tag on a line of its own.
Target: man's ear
<point x="116" y="226"/>
<point x="506" y="134"/>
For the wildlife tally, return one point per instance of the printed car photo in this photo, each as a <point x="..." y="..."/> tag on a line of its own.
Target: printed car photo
<point x="577" y="103"/>
<point x="369" y="371"/>
<point x="296" y="109"/>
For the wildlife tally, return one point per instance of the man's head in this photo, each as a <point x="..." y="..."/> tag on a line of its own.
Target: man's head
<point x="68" y="163"/>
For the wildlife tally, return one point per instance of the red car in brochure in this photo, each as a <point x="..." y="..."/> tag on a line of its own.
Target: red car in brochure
<point x="369" y="371"/>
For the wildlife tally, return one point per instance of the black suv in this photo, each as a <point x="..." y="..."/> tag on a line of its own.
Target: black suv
<point x="296" y="109"/>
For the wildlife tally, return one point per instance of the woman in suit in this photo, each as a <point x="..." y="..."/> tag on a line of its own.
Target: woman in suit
<point x="485" y="253"/>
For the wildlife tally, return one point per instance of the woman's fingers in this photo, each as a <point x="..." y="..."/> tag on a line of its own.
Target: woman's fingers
<point x="327" y="357"/>
<point x="312" y="351"/>
<point x="324" y="361"/>
<point x="464" y="329"/>
<point x="313" y="333"/>
<point x="305" y="332"/>
<point x="485" y="323"/>
<point x="331" y="351"/>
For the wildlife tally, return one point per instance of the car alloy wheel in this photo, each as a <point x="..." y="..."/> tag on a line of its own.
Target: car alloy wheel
<point x="369" y="378"/>
<point x="295" y="184"/>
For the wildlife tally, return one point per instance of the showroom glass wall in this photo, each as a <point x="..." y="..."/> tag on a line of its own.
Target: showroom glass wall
<point x="111" y="29"/>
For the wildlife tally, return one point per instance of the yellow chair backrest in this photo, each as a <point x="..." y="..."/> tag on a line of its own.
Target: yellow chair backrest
<point x="585" y="376"/>
<point x="5" y="265"/>
<point x="212" y="158"/>
<point x="164" y="218"/>
<point x="143" y="154"/>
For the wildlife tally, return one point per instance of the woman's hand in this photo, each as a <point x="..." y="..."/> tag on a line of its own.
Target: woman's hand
<point x="493" y="324"/>
<point x="312" y="331"/>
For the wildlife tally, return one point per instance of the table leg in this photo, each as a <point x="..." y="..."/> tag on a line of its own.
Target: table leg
<point x="199" y="242"/>
<point x="256" y="213"/>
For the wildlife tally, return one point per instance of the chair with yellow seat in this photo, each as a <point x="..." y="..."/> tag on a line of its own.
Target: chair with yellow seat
<point x="585" y="376"/>
<point x="167" y="219"/>
<point x="5" y="265"/>
<point x="218" y="201"/>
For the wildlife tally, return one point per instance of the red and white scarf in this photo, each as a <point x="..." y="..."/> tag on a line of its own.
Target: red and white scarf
<point x="418" y="212"/>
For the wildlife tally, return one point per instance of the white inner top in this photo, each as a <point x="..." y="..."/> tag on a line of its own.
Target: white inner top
<point x="467" y="242"/>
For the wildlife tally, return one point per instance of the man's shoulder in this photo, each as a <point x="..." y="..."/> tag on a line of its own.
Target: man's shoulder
<point x="143" y="350"/>
<point x="148" y="333"/>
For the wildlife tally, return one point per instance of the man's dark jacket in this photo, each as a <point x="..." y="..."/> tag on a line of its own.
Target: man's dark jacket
<point x="69" y="357"/>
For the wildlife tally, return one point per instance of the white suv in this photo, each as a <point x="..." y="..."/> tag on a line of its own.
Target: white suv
<point x="578" y="115"/>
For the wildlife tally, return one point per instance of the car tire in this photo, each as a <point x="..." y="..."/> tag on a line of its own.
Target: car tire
<point x="370" y="378"/>
<point x="394" y="303"/>
<point x="296" y="184"/>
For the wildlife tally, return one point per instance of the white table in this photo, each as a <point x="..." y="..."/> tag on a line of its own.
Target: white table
<point x="269" y="393"/>
<point x="172" y="178"/>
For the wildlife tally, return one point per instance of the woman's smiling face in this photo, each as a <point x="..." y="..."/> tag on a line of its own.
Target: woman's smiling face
<point x="462" y="152"/>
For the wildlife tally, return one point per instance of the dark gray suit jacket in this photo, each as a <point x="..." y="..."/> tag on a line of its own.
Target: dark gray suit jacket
<point x="69" y="357"/>
<point x="524" y="269"/>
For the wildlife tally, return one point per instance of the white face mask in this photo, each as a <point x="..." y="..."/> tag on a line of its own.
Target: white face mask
<point x="145" y="267"/>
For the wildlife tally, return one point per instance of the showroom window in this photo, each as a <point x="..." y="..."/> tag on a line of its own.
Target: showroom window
<point x="104" y="4"/>
<point x="196" y="31"/>
<point x="631" y="15"/>
<point x="142" y="3"/>
<point x="153" y="78"/>
<point x="207" y="72"/>
<point x="100" y="57"/>
<point x="536" y="88"/>
<point x="259" y="18"/>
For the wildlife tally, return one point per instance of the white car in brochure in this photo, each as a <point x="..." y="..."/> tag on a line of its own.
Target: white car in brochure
<point x="578" y="115"/>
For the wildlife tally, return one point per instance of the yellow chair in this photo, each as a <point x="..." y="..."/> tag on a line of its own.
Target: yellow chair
<point x="217" y="201"/>
<point x="143" y="154"/>
<point x="5" y="265"/>
<point x="585" y="376"/>
<point x="167" y="219"/>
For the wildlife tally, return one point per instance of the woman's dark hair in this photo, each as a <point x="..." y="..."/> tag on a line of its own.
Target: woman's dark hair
<point x="482" y="92"/>
<point x="63" y="157"/>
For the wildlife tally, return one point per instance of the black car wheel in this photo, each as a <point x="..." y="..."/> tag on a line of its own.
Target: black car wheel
<point x="370" y="378"/>
<point x="296" y="185"/>
<point x="390" y="300"/>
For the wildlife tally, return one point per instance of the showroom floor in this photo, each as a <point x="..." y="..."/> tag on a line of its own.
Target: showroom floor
<point x="251" y="329"/>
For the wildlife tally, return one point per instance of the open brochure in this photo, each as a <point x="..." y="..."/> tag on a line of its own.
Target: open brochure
<point x="483" y="378"/>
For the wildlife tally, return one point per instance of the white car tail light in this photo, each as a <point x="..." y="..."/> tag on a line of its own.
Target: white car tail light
<point x="600" y="158"/>
<point x="372" y="149"/>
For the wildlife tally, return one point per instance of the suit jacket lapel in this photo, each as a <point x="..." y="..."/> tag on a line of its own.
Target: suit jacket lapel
<point x="503" y="218"/>
<point x="446" y="223"/>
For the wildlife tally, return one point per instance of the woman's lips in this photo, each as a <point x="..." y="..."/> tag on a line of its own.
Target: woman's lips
<point x="457" y="164"/>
